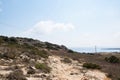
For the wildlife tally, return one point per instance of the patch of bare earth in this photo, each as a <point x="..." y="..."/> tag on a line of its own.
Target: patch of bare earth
<point x="72" y="71"/>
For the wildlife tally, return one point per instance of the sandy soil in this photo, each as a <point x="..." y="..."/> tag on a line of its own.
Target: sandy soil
<point x="62" y="71"/>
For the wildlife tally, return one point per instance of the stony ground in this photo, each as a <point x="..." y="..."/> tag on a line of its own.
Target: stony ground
<point x="74" y="71"/>
<point x="59" y="71"/>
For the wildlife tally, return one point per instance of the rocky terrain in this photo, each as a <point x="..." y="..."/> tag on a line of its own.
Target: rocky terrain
<point x="28" y="59"/>
<point x="59" y="71"/>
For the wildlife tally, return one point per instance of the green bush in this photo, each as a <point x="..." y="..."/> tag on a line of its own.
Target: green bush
<point x="29" y="39"/>
<point x="12" y="40"/>
<point x="39" y="45"/>
<point x="43" y="53"/>
<point x="91" y="66"/>
<point x="27" y="46"/>
<point x="6" y="39"/>
<point x="36" y="52"/>
<point x="112" y="59"/>
<point x="51" y="46"/>
<point x="43" y="67"/>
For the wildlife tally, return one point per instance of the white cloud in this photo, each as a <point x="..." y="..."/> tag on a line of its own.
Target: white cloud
<point x="48" y="27"/>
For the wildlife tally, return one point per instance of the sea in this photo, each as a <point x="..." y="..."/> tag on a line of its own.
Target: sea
<point x="94" y="49"/>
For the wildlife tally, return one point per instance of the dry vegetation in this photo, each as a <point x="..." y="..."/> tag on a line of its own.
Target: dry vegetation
<point x="43" y="67"/>
<point x="112" y="69"/>
<point x="28" y="51"/>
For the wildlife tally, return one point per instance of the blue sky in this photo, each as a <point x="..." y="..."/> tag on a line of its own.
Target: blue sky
<point x="74" y="23"/>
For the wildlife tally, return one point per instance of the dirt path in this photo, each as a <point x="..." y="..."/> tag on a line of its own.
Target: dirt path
<point x="62" y="71"/>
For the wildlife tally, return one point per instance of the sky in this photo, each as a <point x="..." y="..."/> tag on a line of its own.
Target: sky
<point x="73" y="23"/>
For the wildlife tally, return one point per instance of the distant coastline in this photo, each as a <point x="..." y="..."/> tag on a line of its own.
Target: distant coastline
<point x="92" y="49"/>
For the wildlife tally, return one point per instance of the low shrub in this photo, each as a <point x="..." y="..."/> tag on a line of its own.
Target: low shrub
<point x="91" y="66"/>
<point x="112" y="59"/>
<point x="43" y="54"/>
<point x="12" y="40"/>
<point x="27" y="46"/>
<point x="39" y="45"/>
<point x="66" y="60"/>
<point x="43" y="67"/>
<point x="51" y="46"/>
<point x="6" y="39"/>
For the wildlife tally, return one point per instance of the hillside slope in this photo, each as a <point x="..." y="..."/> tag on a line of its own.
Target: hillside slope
<point x="28" y="59"/>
